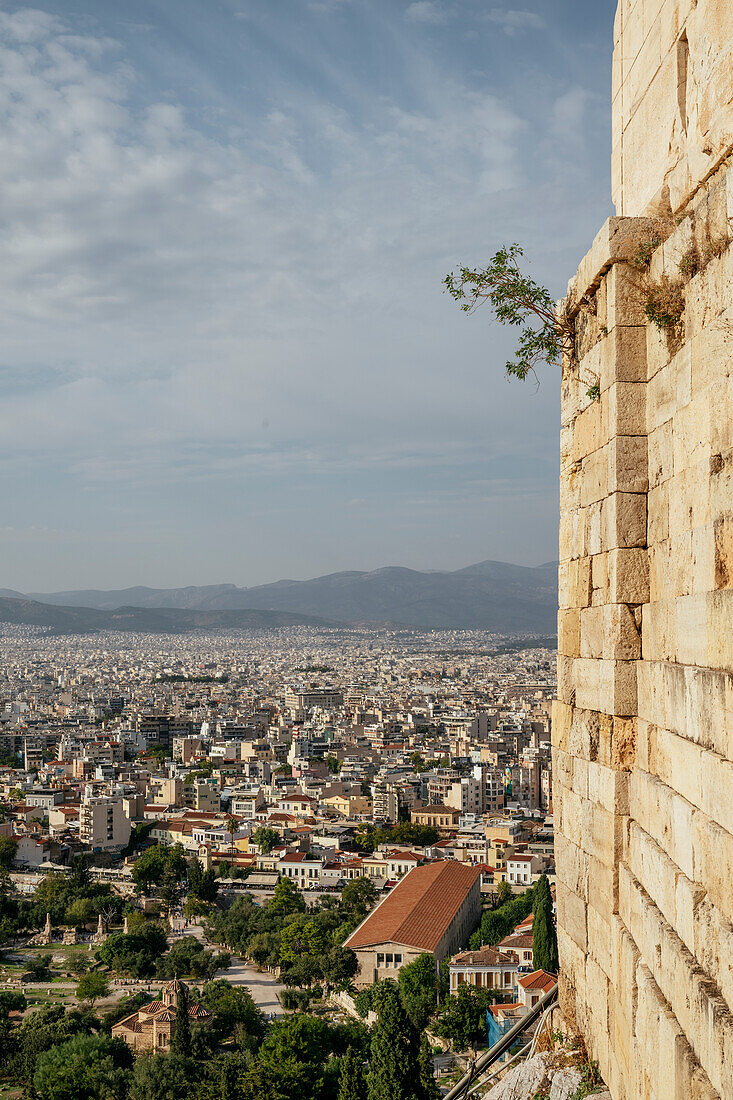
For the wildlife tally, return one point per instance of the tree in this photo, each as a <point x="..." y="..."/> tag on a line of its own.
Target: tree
<point x="82" y="911"/>
<point x="428" y="1084"/>
<point x="352" y="1077"/>
<point x="151" y="867"/>
<point x="286" y="898"/>
<point x="419" y="983"/>
<point x="393" y="1065"/>
<point x="234" y="1012"/>
<point x="498" y="923"/>
<point x="162" y="1077"/>
<point x="265" y="839"/>
<point x="544" y="934"/>
<point x="502" y="894"/>
<point x="87" y="1067"/>
<point x="10" y="1001"/>
<point x="358" y="897"/>
<point x="231" y="822"/>
<point x="201" y="884"/>
<point x="135" y="953"/>
<point x="92" y="987"/>
<point x="340" y="965"/>
<point x="302" y="937"/>
<point x="188" y="958"/>
<point x="182" y="1035"/>
<point x="292" y="1057"/>
<point x="519" y="301"/>
<point x="463" y="1016"/>
<point x="8" y="849"/>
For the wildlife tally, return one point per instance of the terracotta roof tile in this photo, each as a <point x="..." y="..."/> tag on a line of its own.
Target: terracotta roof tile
<point x="487" y="956"/>
<point x="418" y="911"/>
<point x="538" y="979"/>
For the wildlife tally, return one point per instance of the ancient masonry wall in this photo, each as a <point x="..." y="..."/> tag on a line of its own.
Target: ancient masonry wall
<point x="643" y="725"/>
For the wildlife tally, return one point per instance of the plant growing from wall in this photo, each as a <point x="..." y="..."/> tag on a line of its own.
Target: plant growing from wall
<point x="517" y="300"/>
<point x="546" y="332"/>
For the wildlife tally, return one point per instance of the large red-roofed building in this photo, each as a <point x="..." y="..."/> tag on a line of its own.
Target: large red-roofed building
<point x="433" y="908"/>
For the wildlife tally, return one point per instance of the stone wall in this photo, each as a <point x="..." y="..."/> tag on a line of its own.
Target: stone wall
<point x="643" y="725"/>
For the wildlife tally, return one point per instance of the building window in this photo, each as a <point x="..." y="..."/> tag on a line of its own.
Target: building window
<point x="390" y="960"/>
<point x="398" y="960"/>
<point x="380" y="960"/>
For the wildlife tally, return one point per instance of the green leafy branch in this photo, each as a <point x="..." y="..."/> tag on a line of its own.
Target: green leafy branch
<point x="517" y="300"/>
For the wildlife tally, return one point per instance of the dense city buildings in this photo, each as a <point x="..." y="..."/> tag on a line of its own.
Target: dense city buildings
<point x="326" y="739"/>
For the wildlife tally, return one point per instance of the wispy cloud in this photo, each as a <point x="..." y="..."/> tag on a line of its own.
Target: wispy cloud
<point x="201" y="316"/>
<point x="513" y="20"/>
<point x="426" y="11"/>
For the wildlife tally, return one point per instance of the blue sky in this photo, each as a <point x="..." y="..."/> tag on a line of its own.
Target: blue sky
<point x="226" y="352"/>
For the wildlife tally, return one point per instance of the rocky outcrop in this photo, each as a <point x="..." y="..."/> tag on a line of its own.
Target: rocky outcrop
<point x="547" y="1074"/>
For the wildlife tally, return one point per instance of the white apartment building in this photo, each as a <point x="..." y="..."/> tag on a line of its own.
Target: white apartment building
<point x="103" y="823"/>
<point x="492" y="786"/>
<point x="521" y="868"/>
<point x="465" y="795"/>
<point x="247" y="804"/>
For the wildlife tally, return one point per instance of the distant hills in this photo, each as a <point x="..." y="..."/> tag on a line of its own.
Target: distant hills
<point x="491" y="595"/>
<point x="153" y="620"/>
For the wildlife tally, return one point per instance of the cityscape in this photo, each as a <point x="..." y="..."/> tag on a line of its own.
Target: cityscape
<point x="366" y="601"/>
<point x="382" y="771"/>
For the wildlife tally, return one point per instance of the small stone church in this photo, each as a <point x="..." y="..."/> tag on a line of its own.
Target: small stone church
<point x="153" y="1027"/>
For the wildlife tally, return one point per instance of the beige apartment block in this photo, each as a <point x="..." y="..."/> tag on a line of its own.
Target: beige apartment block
<point x="643" y="725"/>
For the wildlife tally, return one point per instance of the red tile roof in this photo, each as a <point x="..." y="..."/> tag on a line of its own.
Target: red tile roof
<point x="538" y="979"/>
<point x="418" y="911"/>
<point x="487" y="956"/>
<point x="524" y="940"/>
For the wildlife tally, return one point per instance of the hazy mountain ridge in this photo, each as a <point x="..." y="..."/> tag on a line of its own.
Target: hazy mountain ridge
<point x="489" y="595"/>
<point x="154" y="620"/>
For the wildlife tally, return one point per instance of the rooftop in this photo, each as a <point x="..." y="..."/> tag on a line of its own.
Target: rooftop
<point x="418" y="911"/>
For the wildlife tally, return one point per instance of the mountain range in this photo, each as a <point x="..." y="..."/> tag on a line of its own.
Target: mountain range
<point x="151" y="620"/>
<point x="491" y="595"/>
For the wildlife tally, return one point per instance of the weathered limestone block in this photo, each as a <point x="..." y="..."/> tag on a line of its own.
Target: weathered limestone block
<point x="665" y="816"/>
<point x="562" y="716"/>
<point x="574" y="583"/>
<point x="628" y="575"/>
<point x="568" y="632"/>
<point x="627" y="464"/>
<point x="660" y="445"/>
<point x="609" y="632"/>
<point x="707" y="298"/>
<point x="626" y="403"/>
<point x="693" y="999"/>
<point x="696" y="703"/>
<point x="676" y="896"/>
<point x="692" y="434"/>
<point x="605" y="684"/>
<point x="712" y="850"/>
<point x="624" y="521"/>
<point x="623" y="357"/>
<point x="713" y="939"/>
<point x="571" y="916"/>
<point x="599" y="938"/>
<point x="719" y="609"/>
<point x="617" y="240"/>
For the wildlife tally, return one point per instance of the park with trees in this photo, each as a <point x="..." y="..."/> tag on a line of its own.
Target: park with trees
<point x="62" y="1051"/>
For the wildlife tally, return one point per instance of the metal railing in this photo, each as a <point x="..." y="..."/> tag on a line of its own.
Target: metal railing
<point x="477" y="1070"/>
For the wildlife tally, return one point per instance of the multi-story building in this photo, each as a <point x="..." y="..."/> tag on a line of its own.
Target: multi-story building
<point x="103" y="823"/>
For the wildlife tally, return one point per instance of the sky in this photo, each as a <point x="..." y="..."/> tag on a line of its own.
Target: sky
<point x="226" y="353"/>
